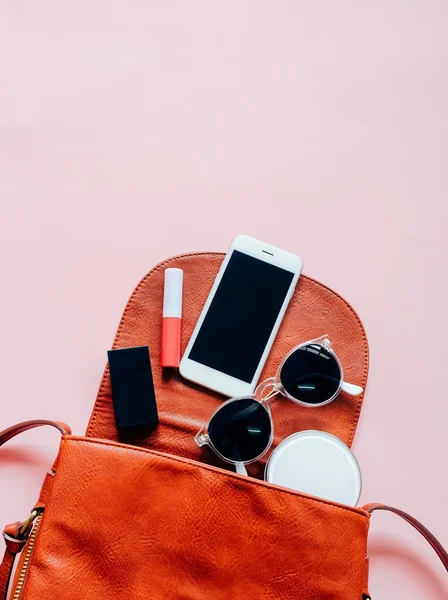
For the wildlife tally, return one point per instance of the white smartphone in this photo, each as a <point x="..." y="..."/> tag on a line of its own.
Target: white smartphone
<point x="241" y="317"/>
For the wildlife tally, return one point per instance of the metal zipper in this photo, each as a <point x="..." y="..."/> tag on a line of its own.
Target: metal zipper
<point x="27" y="560"/>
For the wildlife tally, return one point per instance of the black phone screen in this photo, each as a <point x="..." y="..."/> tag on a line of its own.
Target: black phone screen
<point x="241" y="317"/>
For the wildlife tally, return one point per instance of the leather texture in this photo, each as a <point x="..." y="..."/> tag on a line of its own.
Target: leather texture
<point x="125" y="522"/>
<point x="132" y="524"/>
<point x="14" y="545"/>
<point x="184" y="408"/>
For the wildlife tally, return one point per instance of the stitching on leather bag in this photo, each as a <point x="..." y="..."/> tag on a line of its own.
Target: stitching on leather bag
<point x="214" y="254"/>
<point x="210" y="468"/>
<point x="366" y="360"/>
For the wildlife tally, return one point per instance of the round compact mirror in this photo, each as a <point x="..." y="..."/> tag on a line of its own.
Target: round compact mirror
<point x="316" y="463"/>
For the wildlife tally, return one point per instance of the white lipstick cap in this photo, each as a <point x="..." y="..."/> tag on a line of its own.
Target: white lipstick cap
<point x="172" y="296"/>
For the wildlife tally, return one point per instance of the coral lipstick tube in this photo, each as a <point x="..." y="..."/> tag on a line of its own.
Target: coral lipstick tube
<point x="172" y="317"/>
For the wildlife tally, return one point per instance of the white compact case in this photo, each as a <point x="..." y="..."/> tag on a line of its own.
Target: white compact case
<point x="316" y="463"/>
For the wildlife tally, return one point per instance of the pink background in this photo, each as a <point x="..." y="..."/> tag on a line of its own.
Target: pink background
<point x="132" y="131"/>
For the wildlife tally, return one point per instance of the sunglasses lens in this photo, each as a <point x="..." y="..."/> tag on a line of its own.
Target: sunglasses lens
<point x="241" y="430"/>
<point x="311" y="374"/>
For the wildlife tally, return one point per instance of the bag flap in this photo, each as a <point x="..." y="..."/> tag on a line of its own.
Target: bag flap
<point x="184" y="407"/>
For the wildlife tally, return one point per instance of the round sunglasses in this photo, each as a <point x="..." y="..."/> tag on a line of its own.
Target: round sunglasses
<point x="241" y="430"/>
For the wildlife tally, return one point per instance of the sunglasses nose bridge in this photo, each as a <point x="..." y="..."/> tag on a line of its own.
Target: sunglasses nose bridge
<point x="267" y="389"/>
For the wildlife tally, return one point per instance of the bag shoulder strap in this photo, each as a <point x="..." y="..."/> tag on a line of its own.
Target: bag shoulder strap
<point x="8" y="434"/>
<point x="16" y="535"/>
<point x="429" y="537"/>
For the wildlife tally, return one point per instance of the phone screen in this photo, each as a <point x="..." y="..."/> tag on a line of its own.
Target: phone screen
<point x="241" y="317"/>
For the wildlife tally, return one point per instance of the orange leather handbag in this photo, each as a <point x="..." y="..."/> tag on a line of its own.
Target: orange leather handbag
<point x="117" y="521"/>
<point x="152" y="520"/>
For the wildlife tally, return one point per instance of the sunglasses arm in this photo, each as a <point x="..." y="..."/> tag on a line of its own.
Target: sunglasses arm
<point x="240" y="469"/>
<point x="350" y="388"/>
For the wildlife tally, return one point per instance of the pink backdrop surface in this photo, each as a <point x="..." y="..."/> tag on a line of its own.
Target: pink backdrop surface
<point x="132" y="131"/>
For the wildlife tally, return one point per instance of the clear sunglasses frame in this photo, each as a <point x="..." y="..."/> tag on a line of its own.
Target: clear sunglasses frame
<point x="274" y="386"/>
